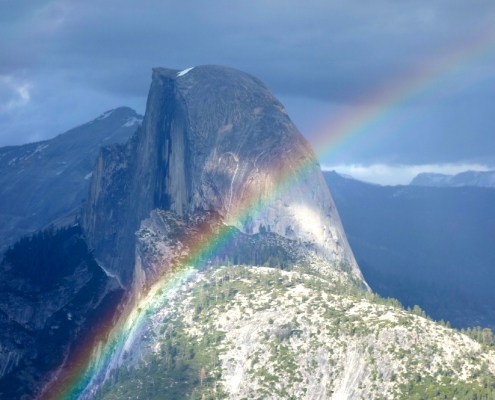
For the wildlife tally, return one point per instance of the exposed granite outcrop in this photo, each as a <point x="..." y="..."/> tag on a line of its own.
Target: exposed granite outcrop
<point x="215" y="139"/>
<point x="261" y="333"/>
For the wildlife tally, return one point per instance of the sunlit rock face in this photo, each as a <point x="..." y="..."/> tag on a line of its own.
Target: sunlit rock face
<point x="213" y="138"/>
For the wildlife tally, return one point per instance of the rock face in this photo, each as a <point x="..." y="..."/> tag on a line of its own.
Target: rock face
<point x="41" y="182"/>
<point x="467" y="178"/>
<point x="215" y="139"/>
<point x="165" y="239"/>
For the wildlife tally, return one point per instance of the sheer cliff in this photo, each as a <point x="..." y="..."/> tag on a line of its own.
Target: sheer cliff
<point x="216" y="139"/>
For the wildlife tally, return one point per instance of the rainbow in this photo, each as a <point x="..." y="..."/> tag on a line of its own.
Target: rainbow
<point x="92" y="363"/>
<point x="379" y="107"/>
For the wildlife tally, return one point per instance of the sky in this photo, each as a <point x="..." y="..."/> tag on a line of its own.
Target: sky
<point x="380" y="88"/>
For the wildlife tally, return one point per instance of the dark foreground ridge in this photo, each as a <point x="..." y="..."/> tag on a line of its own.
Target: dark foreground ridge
<point x="52" y="295"/>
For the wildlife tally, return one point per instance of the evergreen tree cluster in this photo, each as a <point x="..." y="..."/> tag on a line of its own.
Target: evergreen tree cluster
<point x="482" y="335"/>
<point x="264" y="249"/>
<point x="47" y="256"/>
<point x="445" y="388"/>
<point x="182" y="369"/>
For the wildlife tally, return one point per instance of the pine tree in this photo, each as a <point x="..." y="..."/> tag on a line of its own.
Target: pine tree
<point x="202" y="375"/>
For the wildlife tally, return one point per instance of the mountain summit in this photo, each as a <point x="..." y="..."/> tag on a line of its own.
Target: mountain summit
<point x="215" y="139"/>
<point x="466" y="178"/>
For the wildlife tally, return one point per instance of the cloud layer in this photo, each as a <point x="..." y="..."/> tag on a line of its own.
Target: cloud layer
<point x="65" y="61"/>
<point x="383" y="174"/>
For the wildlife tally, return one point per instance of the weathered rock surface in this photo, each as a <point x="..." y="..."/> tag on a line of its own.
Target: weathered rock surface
<point x="42" y="182"/>
<point x="215" y="139"/>
<point x="166" y="242"/>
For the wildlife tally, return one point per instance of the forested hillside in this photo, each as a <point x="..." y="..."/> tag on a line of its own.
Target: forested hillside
<point x="52" y="294"/>
<point x="424" y="245"/>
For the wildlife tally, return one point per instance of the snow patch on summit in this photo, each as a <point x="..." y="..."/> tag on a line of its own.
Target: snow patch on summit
<point x="39" y="149"/>
<point x="183" y="72"/>
<point x="133" y="121"/>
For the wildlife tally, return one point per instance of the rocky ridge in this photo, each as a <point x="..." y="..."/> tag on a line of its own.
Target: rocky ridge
<point x="252" y="332"/>
<point x="166" y="241"/>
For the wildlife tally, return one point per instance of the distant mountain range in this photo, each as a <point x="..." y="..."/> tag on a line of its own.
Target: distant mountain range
<point x="467" y="178"/>
<point x="51" y="288"/>
<point x="431" y="246"/>
<point x="41" y="182"/>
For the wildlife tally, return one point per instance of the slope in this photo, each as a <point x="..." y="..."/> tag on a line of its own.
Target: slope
<point x="251" y="332"/>
<point x="424" y="245"/>
<point x="41" y="182"/>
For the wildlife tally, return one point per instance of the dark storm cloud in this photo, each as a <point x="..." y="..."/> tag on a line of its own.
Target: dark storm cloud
<point x="327" y="50"/>
<point x="64" y="62"/>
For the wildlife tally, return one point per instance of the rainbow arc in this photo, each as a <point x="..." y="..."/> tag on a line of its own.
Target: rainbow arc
<point x="377" y="109"/>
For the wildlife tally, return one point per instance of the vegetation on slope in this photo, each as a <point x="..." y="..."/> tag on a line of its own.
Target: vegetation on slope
<point x="265" y="333"/>
<point x="47" y="256"/>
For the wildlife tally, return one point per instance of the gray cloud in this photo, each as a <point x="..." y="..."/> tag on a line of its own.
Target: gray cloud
<point x="73" y="59"/>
